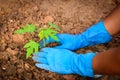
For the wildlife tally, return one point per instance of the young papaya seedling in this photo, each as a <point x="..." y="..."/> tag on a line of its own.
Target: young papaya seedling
<point x="43" y="33"/>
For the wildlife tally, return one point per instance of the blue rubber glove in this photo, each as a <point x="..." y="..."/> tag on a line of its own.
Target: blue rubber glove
<point x="96" y="34"/>
<point x="63" y="61"/>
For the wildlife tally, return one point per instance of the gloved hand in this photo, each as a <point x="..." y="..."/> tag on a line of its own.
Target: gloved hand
<point x="63" y="61"/>
<point x="96" y="34"/>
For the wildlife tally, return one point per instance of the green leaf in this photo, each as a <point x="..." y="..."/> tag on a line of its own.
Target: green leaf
<point x="41" y="35"/>
<point x="20" y="31"/>
<point x="46" y="36"/>
<point x="50" y="31"/>
<point x="53" y="26"/>
<point x="27" y="45"/>
<point x="36" y="49"/>
<point x="31" y="28"/>
<point x="40" y="29"/>
<point x="29" y="52"/>
<point x="27" y="28"/>
<point x="54" y="37"/>
<point x="32" y="47"/>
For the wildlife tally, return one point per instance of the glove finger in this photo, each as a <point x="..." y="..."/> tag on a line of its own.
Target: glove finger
<point x="47" y="49"/>
<point x="35" y="58"/>
<point x="60" y="36"/>
<point x="41" y="60"/>
<point x="43" y="66"/>
<point x="63" y="36"/>
<point x="40" y="54"/>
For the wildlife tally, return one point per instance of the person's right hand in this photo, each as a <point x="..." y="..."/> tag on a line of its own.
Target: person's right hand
<point x="96" y="34"/>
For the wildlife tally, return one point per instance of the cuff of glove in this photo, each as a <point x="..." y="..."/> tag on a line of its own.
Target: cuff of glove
<point x="82" y="65"/>
<point x="103" y="29"/>
<point x="96" y="34"/>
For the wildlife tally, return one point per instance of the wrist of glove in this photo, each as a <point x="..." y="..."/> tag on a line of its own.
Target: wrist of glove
<point x="96" y="34"/>
<point x="63" y="61"/>
<point x="82" y="64"/>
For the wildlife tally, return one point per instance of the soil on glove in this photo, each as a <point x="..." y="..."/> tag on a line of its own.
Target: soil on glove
<point x="72" y="16"/>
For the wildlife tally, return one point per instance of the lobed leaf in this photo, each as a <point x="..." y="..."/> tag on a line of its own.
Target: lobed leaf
<point x="27" y="28"/>
<point x="29" y="52"/>
<point x="54" y="37"/>
<point x="41" y="35"/>
<point x="40" y="29"/>
<point x="31" y="28"/>
<point x="32" y="47"/>
<point x="53" y="26"/>
<point x="20" y="31"/>
<point x="50" y="31"/>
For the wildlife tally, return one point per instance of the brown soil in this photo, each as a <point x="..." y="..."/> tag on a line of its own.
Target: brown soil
<point x="73" y="16"/>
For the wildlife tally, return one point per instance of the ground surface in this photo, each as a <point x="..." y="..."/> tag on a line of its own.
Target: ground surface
<point x="73" y="16"/>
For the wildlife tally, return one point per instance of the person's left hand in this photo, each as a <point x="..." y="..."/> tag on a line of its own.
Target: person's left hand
<point x="64" y="61"/>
